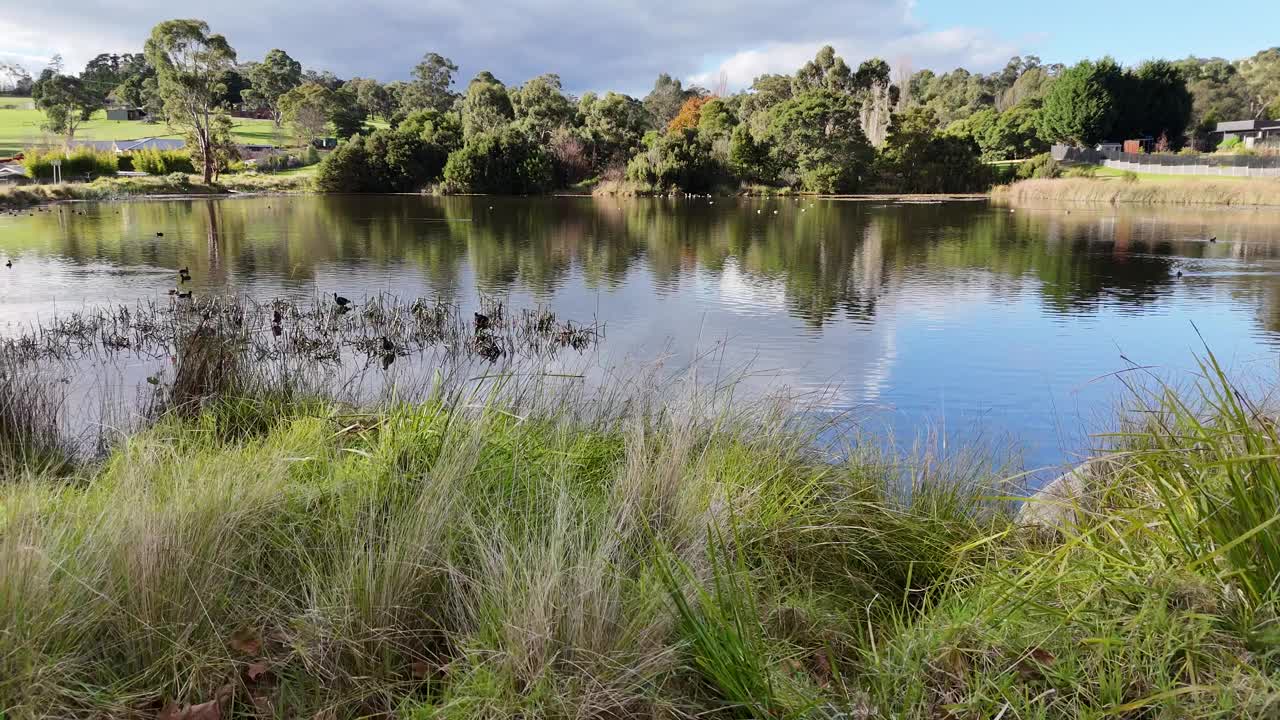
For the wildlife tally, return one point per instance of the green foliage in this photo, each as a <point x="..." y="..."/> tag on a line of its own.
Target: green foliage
<point x="399" y="160"/>
<point x="716" y="120"/>
<point x="1040" y="166"/>
<point x="66" y="102"/>
<point x="750" y="159"/>
<point x="486" y="106"/>
<point x="502" y="162"/>
<point x="162" y="162"/>
<point x="612" y="126"/>
<point x="665" y="100"/>
<point x="1010" y="135"/>
<point x="311" y="109"/>
<point x="77" y="163"/>
<point x="541" y="107"/>
<point x="440" y="129"/>
<point x="189" y="62"/>
<point x="270" y="79"/>
<point x="917" y="159"/>
<point x="430" y="88"/>
<point x="1082" y="106"/>
<point x="817" y="140"/>
<point x="680" y="160"/>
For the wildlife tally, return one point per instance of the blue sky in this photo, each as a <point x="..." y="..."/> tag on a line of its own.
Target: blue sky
<point x="1130" y="32"/>
<point x="623" y="44"/>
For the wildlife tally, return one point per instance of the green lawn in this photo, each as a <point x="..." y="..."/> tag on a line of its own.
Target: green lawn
<point x="1106" y="172"/>
<point x="20" y="129"/>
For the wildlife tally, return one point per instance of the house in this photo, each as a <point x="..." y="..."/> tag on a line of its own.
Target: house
<point x="123" y="112"/>
<point x="13" y="175"/>
<point x="127" y="146"/>
<point x="1250" y="131"/>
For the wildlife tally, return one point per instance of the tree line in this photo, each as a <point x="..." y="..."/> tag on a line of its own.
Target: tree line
<point x="827" y="127"/>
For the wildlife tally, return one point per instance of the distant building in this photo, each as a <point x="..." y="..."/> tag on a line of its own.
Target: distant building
<point x="122" y="112"/>
<point x="128" y="146"/>
<point x="1250" y="132"/>
<point x="13" y="175"/>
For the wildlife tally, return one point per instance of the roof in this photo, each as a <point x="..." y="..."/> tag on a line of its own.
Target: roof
<point x="7" y="170"/>
<point x="107" y="145"/>
<point x="150" y="144"/>
<point x="1247" y="125"/>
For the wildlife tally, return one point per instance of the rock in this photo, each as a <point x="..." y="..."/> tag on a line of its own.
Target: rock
<point x="1058" y="503"/>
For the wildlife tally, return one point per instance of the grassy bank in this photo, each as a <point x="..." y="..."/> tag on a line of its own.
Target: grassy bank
<point x="1149" y="190"/>
<point x="621" y="556"/>
<point x="17" y="197"/>
<point x="21" y="127"/>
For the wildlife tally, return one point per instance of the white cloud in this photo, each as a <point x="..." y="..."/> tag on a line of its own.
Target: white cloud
<point x="609" y="44"/>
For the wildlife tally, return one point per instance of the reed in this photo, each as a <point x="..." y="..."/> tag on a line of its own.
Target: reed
<point x="1178" y="191"/>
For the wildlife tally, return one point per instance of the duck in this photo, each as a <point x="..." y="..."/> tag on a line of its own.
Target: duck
<point x="388" y="347"/>
<point x="1179" y="273"/>
<point x="159" y="234"/>
<point x="8" y="263"/>
<point x="186" y="295"/>
<point x="276" y="317"/>
<point x="483" y="322"/>
<point x="1213" y="239"/>
<point x="341" y="301"/>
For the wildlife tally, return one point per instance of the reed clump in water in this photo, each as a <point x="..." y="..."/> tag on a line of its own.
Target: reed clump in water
<point x="550" y="554"/>
<point x="1177" y="191"/>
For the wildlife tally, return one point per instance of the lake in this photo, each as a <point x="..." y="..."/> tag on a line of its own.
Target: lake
<point x="960" y="320"/>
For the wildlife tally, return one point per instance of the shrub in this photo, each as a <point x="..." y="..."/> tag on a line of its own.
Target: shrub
<point x="1230" y="145"/>
<point x="1040" y="166"/>
<point x="76" y="163"/>
<point x="503" y="162"/>
<point x="1129" y="176"/>
<point x="682" y="159"/>
<point x="311" y="156"/>
<point x="385" y="161"/>
<point x="162" y="162"/>
<point x="1082" y="171"/>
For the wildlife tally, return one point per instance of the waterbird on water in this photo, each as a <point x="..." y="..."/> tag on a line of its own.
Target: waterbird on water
<point x="159" y="234"/>
<point x="482" y="321"/>
<point x="388" y="346"/>
<point x="1179" y="273"/>
<point x="1213" y="239"/>
<point x="8" y="263"/>
<point x="185" y="295"/>
<point x="341" y="301"/>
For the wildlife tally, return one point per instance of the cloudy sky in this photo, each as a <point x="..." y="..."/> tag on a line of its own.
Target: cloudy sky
<point x="623" y="44"/>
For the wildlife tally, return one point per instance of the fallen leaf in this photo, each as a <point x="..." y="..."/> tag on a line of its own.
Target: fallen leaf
<point x="246" y="642"/>
<point x="1042" y="656"/>
<point x="256" y="670"/>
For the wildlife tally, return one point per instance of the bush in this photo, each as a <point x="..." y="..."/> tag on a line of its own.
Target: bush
<point x="311" y="156"/>
<point x="386" y="161"/>
<point x="1230" y="145"/>
<point x="1040" y="166"/>
<point x="1129" y="176"/>
<point x="162" y="162"/>
<point x="682" y="160"/>
<point x="502" y="162"/>
<point x="76" y="164"/>
<point x="1082" y="171"/>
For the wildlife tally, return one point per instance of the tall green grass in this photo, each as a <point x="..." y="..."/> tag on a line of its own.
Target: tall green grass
<point x="77" y="163"/>
<point x="633" y="557"/>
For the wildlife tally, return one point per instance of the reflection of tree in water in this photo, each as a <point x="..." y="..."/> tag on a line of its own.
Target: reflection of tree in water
<point x="830" y="260"/>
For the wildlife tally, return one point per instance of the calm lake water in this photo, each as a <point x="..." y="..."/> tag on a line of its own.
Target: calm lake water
<point x="961" y="319"/>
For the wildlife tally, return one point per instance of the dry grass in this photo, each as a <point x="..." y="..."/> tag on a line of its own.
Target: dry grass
<point x="19" y="197"/>
<point x="1257" y="192"/>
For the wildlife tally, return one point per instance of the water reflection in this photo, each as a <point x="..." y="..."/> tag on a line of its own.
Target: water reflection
<point x="959" y="314"/>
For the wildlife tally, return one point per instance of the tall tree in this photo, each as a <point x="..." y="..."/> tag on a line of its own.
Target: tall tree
<point x="826" y="71"/>
<point x="107" y="71"/>
<point x="188" y="60"/>
<point x="66" y="103"/>
<point x="431" y="87"/>
<point x="1165" y="102"/>
<point x="486" y="106"/>
<point x="15" y="79"/>
<point x="306" y="110"/>
<point x="270" y="79"/>
<point x="1081" y="107"/>
<point x="541" y="106"/>
<point x="374" y="98"/>
<point x="816" y="137"/>
<point x="665" y="100"/>
<point x="613" y="126"/>
<point x="1262" y="75"/>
